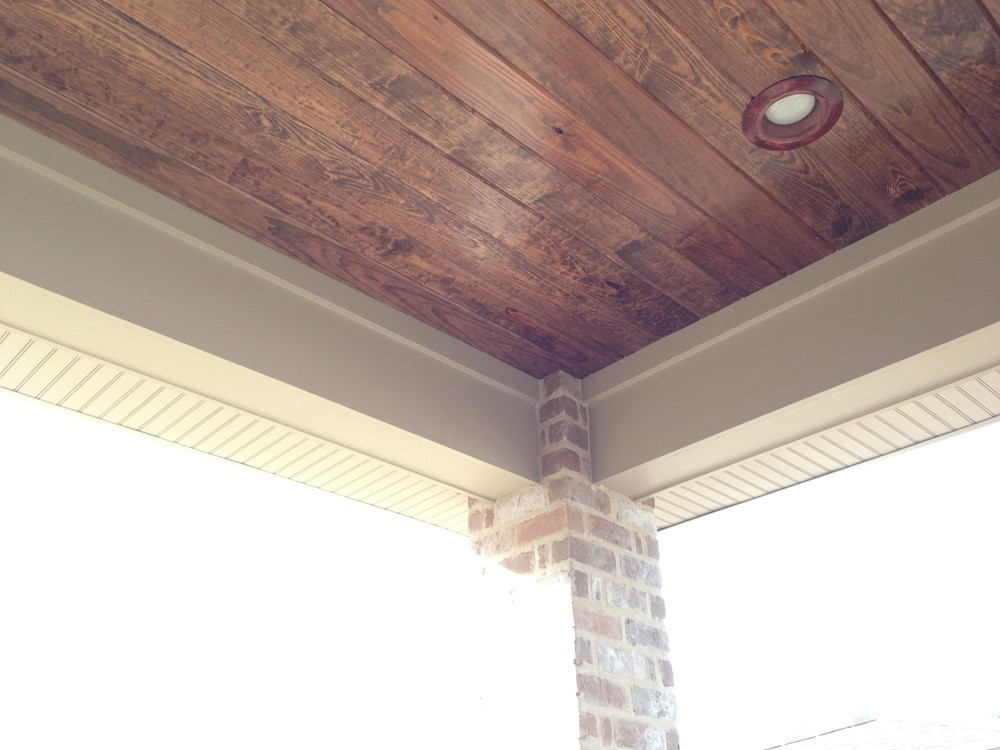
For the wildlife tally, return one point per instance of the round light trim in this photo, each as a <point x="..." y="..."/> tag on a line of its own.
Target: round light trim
<point x="791" y="109"/>
<point x="792" y="113"/>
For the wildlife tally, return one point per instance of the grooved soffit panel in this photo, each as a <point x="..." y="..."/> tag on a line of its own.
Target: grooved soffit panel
<point x="58" y="375"/>
<point x="940" y="412"/>
<point x="96" y="262"/>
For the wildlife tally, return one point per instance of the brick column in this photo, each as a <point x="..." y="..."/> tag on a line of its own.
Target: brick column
<point x="604" y="546"/>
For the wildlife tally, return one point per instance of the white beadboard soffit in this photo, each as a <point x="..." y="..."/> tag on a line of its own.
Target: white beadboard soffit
<point x="58" y="375"/>
<point x="966" y="403"/>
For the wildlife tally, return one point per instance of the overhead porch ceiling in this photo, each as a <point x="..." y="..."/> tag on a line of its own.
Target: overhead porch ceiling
<point x="92" y="262"/>
<point x="558" y="185"/>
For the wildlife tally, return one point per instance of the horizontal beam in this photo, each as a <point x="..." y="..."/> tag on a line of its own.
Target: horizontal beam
<point x="92" y="260"/>
<point x="97" y="262"/>
<point x="906" y="310"/>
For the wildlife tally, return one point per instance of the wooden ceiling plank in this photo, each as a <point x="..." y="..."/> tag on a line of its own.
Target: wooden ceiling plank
<point x="958" y="41"/>
<point x="832" y="196"/>
<point x="674" y="275"/>
<point x="57" y="118"/>
<point x="992" y="7"/>
<point x="421" y="266"/>
<point x="659" y="315"/>
<point x="753" y="48"/>
<point x="536" y="41"/>
<point x="350" y="57"/>
<point x="904" y="96"/>
<point x="153" y="118"/>
<point x="344" y="54"/>
<point x="426" y="38"/>
<point x="621" y="316"/>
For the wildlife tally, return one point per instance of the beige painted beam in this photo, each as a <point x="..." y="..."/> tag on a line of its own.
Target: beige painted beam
<point x="907" y="310"/>
<point x="95" y="261"/>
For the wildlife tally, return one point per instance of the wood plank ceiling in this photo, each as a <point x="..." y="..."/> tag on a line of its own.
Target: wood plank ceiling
<point x="556" y="183"/>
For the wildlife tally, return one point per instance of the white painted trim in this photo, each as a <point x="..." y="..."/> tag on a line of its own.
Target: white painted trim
<point x="63" y="378"/>
<point x="105" y="277"/>
<point x="968" y="404"/>
<point x="94" y="261"/>
<point x="907" y="310"/>
<point x="934" y="221"/>
<point x="22" y="146"/>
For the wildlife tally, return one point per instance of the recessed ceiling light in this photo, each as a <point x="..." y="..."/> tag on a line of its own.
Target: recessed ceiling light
<point x="792" y="113"/>
<point x="790" y="109"/>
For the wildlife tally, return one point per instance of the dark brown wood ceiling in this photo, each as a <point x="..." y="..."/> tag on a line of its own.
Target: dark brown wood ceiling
<point x="556" y="183"/>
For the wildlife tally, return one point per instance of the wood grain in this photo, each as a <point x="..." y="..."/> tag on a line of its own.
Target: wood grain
<point x="47" y="113"/>
<point x="476" y="285"/>
<point x="992" y="7"/>
<point x="755" y="49"/>
<point x="543" y="47"/>
<point x="438" y="229"/>
<point x="606" y="294"/>
<point x="682" y="78"/>
<point x="428" y="39"/>
<point x="960" y="44"/>
<point x="555" y="182"/>
<point x="344" y="54"/>
<point x="903" y="95"/>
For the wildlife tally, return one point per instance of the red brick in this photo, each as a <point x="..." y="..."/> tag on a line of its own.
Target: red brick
<point x="666" y="673"/>
<point x="521" y="563"/>
<point x="475" y="520"/>
<point x="636" y="515"/>
<point x="542" y="553"/>
<point x="558" y="406"/>
<point x="488" y="521"/>
<point x="559" y="379"/>
<point x="649" y="502"/>
<point x="640" y="634"/>
<point x="606" y="735"/>
<point x="564" y="458"/>
<point x="573" y="433"/>
<point x="656" y="703"/>
<point x="642" y="571"/>
<point x="541" y="526"/>
<point x="560" y="550"/>
<point x="621" y="661"/>
<point x="495" y="543"/>
<point x="581" y="493"/>
<point x="673" y="741"/>
<point x="598" y="691"/>
<point x="638" y="735"/>
<point x="657" y="607"/>
<point x="625" y="596"/>
<point x="588" y="725"/>
<point x="610" y="532"/>
<point x="652" y="547"/>
<point x="575" y="519"/>
<point x="591" y="554"/>
<point x="594" y="621"/>
<point x="581" y="584"/>
<point x="584" y="654"/>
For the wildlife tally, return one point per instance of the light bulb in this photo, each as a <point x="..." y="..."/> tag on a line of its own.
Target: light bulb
<point x="791" y="109"/>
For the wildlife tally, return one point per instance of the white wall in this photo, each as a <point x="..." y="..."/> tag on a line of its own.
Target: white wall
<point x="152" y="596"/>
<point x="869" y="592"/>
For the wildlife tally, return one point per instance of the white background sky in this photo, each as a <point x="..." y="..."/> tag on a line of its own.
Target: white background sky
<point x="869" y="592"/>
<point x="155" y="597"/>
